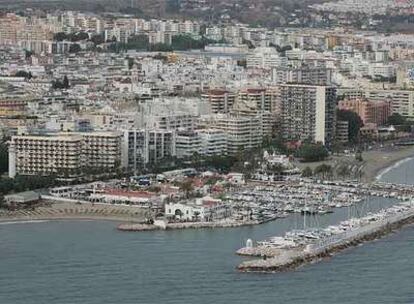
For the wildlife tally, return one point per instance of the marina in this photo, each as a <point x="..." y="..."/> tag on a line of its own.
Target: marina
<point x="299" y="247"/>
<point x="92" y="249"/>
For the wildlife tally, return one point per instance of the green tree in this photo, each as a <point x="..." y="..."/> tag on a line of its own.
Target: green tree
<point x="79" y="36"/>
<point x="4" y="156"/>
<point x="60" y="36"/>
<point x="343" y="171"/>
<point x="66" y="82"/>
<point x="74" y="48"/>
<point x="354" y="123"/>
<point x="98" y="39"/>
<point x="307" y="172"/>
<point x="396" y="120"/>
<point x="138" y="42"/>
<point x="309" y="152"/>
<point x="24" y="74"/>
<point x="323" y="170"/>
<point x="187" y="187"/>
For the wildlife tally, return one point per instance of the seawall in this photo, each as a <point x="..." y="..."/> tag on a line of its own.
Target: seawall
<point x="289" y="259"/>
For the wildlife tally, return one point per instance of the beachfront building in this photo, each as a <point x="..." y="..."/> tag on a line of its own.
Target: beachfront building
<point x="376" y="112"/>
<point x="204" y="209"/>
<point x="101" y="149"/>
<point x="118" y="196"/>
<point x="142" y="147"/>
<point x="402" y="101"/>
<point x="22" y="198"/>
<point x="308" y="112"/>
<point x="44" y="155"/>
<point x="243" y="132"/>
<point x="66" y="154"/>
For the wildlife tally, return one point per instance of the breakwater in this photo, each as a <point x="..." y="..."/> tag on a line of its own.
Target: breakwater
<point x="185" y="225"/>
<point x="284" y="259"/>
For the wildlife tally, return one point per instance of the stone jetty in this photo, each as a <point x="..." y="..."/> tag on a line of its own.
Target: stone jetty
<point x="276" y="260"/>
<point x="185" y="225"/>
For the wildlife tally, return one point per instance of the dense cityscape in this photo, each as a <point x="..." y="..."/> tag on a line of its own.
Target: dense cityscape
<point x="194" y="114"/>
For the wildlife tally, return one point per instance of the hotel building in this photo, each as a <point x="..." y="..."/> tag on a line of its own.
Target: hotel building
<point x="308" y="112"/>
<point x="63" y="154"/>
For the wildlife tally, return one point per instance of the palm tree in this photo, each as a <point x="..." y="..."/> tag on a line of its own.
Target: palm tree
<point x="187" y="187"/>
<point x="196" y="215"/>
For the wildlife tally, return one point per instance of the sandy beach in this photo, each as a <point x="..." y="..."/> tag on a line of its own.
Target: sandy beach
<point x="71" y="211"/>
<point x="377" y="161"/>
<point x="373" y="162"/>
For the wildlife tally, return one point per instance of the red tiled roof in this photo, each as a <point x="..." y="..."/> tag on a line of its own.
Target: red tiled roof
<point x="139" y="194"/>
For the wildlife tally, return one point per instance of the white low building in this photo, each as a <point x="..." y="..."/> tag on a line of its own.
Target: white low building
<point x="202" y="209"/>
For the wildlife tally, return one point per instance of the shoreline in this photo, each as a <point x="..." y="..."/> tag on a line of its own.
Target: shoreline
<point x="379" y="162"/>
<point x="376" y="165"/>
<point x="70" y="211"/>
<point x="383" y="171"/>
<point x="5" y="220"/>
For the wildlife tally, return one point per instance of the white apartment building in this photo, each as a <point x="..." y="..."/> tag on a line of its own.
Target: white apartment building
<point x="213" y="142"/>
<point x="221" y="101"/>
<point x="265" y="58"/>
<point x="243" y="132"/>
<point x="308" y="112"/>
<point x="204" y="142"/>
<point x="255" y="100"/>
<point x="147" y="146"/>
<point x="173" y="121"/>
<point x="402" y="101"/>
<point x="382" y="70"/>
<point x="303" y="75"/>
<point x="188" y="143"/>
<point x="64" y="153"/>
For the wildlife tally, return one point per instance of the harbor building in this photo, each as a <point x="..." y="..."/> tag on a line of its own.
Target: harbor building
<point x="204" y="209"/>
<point x="308" y="112"/>
<point x="204" y="142"/>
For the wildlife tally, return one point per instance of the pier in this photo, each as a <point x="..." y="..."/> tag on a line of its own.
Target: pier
<point x="274" y="258"/>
